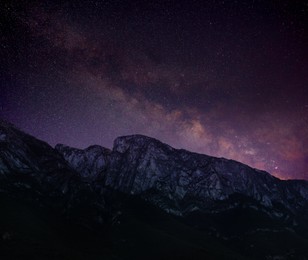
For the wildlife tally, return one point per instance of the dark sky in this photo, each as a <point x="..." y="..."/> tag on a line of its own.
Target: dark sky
<point x="225" y="78"/>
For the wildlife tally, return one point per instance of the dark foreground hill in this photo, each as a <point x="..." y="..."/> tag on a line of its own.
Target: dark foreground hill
<point x="142" y="200"/>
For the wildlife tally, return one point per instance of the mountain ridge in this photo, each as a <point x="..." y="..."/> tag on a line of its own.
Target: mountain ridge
<point x="97" y="188"/>
<point x="132" y="148"/>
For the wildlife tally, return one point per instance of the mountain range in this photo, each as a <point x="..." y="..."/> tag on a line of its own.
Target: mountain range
<point x="142" y="199"/>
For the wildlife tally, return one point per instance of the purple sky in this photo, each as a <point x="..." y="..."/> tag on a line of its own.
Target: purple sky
<point x="225" y="78"/>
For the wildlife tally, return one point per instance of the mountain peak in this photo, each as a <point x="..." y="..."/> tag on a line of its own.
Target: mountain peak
<point x="87" y="162"/>
<point x="139" y="164"/>
<point x="87" y="184"/>
<point x="123" y="143"/>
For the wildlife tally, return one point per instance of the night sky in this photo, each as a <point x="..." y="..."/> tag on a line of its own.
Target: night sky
<point x="224" y="78"/>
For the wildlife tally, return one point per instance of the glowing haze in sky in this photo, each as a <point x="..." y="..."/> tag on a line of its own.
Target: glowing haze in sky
<point x="225" y="78"/>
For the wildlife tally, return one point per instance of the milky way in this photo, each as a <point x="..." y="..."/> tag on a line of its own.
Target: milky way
<point x="225" y="78"/>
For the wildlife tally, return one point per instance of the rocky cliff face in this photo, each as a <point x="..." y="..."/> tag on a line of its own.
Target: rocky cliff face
<point x="89" y="163"/>
<point x="179" y="181"/>
<point x="32" y="170"/>
<point x="28" y="159"/>
<point x="141" y="180"/>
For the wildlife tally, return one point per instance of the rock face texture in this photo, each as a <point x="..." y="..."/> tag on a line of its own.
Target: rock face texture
<point x="89" y="163"/>
<point x="28" y="159"/>
<point x="140" y="185"/>
<point x="31" y="169"/>
<point x="177" y="181"/>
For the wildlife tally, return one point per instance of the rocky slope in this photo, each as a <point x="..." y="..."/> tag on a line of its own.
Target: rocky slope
<point x="180" y="181"/>
<point x="25" y="157"/>
<point x="89" y="163"/>
<point x="32" y="170"/>
<point x="144" y="190"/>
<point x="177" y="181"/>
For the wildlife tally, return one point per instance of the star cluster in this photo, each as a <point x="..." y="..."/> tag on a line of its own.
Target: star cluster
<point x="225" y="78"/>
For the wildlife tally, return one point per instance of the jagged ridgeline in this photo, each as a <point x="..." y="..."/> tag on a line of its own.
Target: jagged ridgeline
<point x="142" y="200"/>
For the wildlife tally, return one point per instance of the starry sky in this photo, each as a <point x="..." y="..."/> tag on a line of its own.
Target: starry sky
<point x="224" y="78"/>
